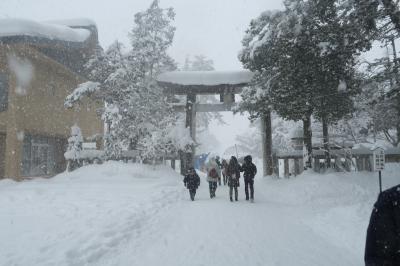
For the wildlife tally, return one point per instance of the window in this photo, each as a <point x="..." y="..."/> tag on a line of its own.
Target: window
<point x="38" y="156"/>
<point x="3" y="92"/>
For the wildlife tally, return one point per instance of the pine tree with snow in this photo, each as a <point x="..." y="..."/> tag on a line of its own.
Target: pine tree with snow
<point x="74" y="149"/>
<point x="334" y="78"/>
<point x="136" y="110"/>
<point x="150" y="38"/>
<point x="269" y="51"/>
<point x="305" y="58"/>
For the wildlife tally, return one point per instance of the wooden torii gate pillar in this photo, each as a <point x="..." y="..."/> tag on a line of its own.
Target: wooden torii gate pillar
<point x="223" y="83"/>
<point x="187" y="158"/>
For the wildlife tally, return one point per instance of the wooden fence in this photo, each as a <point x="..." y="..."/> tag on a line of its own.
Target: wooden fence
<point x="342" y="160"/>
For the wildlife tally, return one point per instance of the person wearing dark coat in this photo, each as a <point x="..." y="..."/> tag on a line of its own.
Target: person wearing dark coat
<point x="382" y="247"/>
<point x="220" y="167"/>
<point x="233" y="173"/>
<point x="250" y="170"/>
<point x="191" y="182"/>
<point x="224" y="168"/>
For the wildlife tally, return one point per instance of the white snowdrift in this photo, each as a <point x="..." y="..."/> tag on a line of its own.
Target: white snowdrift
<point x="80" y="217"/>
<point x="22" y="27"/>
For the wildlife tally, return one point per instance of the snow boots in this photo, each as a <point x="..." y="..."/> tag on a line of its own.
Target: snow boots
<point x="225" y="178"/>
<point x="192" y="194"/>
<point x="249" y="184"/>
<point x="231" y="188"/>
<point x="213" y="188"/>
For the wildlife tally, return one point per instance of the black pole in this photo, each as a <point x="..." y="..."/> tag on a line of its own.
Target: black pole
<point x="380" y="182"/>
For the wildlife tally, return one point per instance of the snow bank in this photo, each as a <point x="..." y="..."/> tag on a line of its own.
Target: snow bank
<point x="22" y="27"/>
<point x="336" y="206"/>
<point x="208" y="78"/>
<point x="79" y="218"/>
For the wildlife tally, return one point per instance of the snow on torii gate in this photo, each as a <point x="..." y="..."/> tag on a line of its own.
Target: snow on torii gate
<point x="192" y="83"/>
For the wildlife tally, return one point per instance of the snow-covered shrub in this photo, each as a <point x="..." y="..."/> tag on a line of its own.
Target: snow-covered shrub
<point x="73" y="153"/>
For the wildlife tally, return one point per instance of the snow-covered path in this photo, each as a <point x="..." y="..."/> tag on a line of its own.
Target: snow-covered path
<point x="218" y="232"/>
<point x="124" y="214"/>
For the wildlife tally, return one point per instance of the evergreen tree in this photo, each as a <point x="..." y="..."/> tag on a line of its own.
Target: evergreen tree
<point x="150" y="38"/>
<point x="337" y="44"/>
<point x="383" y="104"/>
<point x="385" y="74"/>
<point x="379" y="20"/>
<point x="136" y="110"/>
<point x="368" y="13"/>
<point x="272" y="51"/>
<point x="305" y="59"/>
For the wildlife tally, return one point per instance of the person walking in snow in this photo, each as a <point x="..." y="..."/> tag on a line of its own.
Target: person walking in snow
<point x="224" y="168"/>
<point x="220" y="169"/>
<point x="191" y="182"/>
<point x="250" y="170"/>
<point x="233" y="173"/>
<point x="213" y="174"/>
<point x="383" y="234"/>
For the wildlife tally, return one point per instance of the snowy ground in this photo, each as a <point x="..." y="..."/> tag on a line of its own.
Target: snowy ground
<point x="118" y="214"/>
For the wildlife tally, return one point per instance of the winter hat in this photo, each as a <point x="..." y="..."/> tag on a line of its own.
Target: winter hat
<point x="248" y="158"/>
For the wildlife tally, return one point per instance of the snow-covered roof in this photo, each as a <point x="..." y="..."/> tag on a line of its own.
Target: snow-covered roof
<point x="78" y="22"/>
<point x="29" y="28"/>
<point x="206" y="78"/>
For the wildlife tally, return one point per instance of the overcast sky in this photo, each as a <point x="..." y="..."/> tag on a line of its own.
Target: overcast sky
<point x="210" y="27"/>
<point x="213" y="28"/>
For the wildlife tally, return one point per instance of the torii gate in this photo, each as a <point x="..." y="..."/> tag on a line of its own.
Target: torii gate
<point x="223" y="83"/>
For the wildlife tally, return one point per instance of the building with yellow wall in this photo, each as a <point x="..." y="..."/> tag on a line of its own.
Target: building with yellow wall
<point x="40" y="64"/>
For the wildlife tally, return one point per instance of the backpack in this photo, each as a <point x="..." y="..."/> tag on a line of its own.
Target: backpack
<point x="213" y="173"/>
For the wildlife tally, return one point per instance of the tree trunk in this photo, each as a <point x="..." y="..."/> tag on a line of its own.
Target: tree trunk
<point x="395" y="62"/>
<point x="307" y="132"/>
<point x="268" y="167"/>
<point x="396" y="75"/>
<point x="326" y="142"/>
<point x="398" y="119"/>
